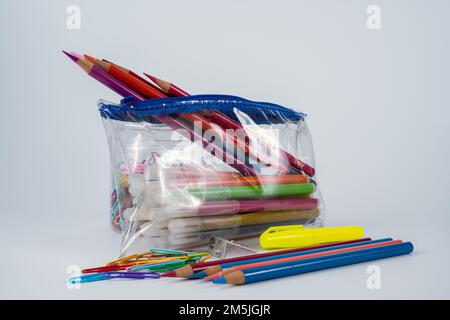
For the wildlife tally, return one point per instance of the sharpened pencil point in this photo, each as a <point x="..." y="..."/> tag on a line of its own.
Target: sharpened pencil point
<point x="150" y="77"/>
<point x="71" y="56"/>
<point x="213" y="276"/>
<point x="220" y="280"/>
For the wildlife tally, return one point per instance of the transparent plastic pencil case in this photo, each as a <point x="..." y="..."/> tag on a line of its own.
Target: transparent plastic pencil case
<point x="188" y="168"/>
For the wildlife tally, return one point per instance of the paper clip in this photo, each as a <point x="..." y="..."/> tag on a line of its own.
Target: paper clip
<point x="88" y="278"/>
<point x="113" y="275"/>
<point x="156" y="265"/>
<point x="123" y="259"/>
<point x="169" y="251"/>
<point x="132" y="275"/>
<point x="107" y="268"/>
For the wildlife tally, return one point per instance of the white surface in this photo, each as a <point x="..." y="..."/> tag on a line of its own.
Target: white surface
<point x="378" y="106"/>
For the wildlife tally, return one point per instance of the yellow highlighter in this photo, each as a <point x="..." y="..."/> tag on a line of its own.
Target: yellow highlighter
<point x="298" y="236"/>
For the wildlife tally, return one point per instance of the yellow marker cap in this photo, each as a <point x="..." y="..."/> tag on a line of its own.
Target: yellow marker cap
<point x="298" y="236"/>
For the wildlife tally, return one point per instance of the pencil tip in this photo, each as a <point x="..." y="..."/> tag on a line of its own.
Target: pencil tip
<point x="71" y="56"/>
<point x="213" y="277"/>
<point x="220" y="280"/>
<point x="150" y="77"/>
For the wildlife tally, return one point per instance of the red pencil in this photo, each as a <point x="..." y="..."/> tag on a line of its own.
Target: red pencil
<point x="126" y="78"/>
<point x="172" y="90"/>
<point x="195" y="118"/>
<point x="130" y="72"/>
<point x="213" y="115"/>
<point x="168" y="88"/>
<point x="186" y="271"/>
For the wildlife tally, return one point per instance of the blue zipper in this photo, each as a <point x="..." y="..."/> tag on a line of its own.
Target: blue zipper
<point x="260" y="112"/>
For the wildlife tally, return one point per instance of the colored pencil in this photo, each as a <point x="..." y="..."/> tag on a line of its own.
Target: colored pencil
<point x="270" y="264"/>
<point x="219" y="118"/>
<point x="213" y="115"/>
<point x="123" y="75"/>
<point x="123" y="90"/>
<point x="196" y="119"/>
<point x="168" y="88"/>
<point x="189" y="270"/>
<point x="103" y="77"/>
<point x="252" y="192"/>
<point x="130" y="72"/>
<point x="343" y="259"/>
<point x="220" y="267"/>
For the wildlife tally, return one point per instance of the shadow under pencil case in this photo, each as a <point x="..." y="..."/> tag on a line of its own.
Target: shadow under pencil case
<point x="187" y="168"/>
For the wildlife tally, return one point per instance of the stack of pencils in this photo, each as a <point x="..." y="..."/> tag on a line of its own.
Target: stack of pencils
<point x="272" y="265"/>
<point x="245" y="269"/>
<point x="240" y="202"/>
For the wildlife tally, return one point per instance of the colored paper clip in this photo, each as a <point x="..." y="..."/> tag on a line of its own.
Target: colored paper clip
<point x="88" y="278"/>
<point x="113" y="275"/>
<point x="124" y="259"/>
<point x="197" y="254"/>
<point x="152" y="266"/>
<point x="203" y="259"/>
<point x="131" y="275"/>
<point x="107" y="268"/>
<point x="169" y="251"/>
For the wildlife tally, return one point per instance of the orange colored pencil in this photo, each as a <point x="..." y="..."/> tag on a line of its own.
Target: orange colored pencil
<point x="126" y="78"/>
<point x="297" y="258"/>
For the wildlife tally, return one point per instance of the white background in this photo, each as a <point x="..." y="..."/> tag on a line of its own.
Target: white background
<point x="377" y="104"/>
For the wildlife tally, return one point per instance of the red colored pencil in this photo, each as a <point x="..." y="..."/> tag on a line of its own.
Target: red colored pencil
<point x="126" y="78"/>
<point x="187" y="271"/>
<point x="168" y="88"/>
<point x="130" y="72"/>
<point x="214" y="116"/>
<point x="194" y="118"/>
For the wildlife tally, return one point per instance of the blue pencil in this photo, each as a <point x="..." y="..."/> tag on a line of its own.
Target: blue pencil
<point x="338" y="260"/>
<point x="217" y="268"/>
